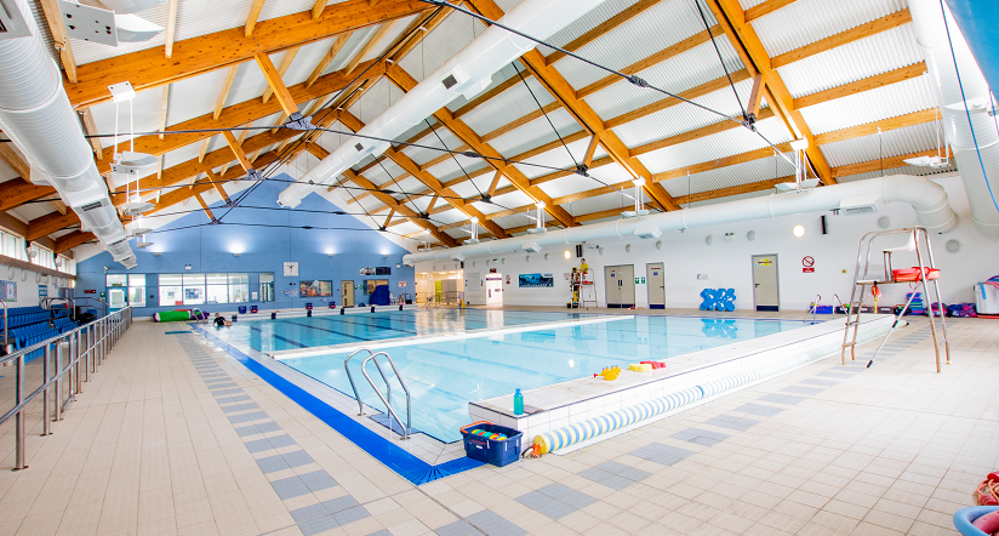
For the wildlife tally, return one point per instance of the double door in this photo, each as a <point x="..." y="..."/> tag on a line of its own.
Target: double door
<point x="619" y="282"/>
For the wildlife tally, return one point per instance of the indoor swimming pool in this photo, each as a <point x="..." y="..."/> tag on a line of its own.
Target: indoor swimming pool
<point x="477" y="363"/>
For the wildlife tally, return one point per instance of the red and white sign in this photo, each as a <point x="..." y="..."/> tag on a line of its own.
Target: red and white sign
<point x="808" y="270"/>
<point x="808" y="262"/>
<point x="90" y="291"/>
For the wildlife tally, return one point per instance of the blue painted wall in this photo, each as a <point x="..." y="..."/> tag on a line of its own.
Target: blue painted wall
<point x="263" y="248"/>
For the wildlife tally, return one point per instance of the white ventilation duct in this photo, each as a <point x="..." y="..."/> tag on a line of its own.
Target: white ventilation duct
<point x="468" y="73"/>
<point x="927" y="198"/>
<point x="36" y="114"/>
<point x="928" y="22"/>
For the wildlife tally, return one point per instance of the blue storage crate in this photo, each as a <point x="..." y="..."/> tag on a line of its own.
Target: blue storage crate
<point x="498" y="453"/>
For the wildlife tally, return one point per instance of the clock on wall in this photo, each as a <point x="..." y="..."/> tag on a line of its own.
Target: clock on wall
<point x="291" y="269"/>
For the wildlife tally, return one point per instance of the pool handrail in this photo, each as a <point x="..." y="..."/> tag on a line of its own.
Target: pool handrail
<point x="811" y="310"/>
<point x="5" y="325"/>
<point x="353" y="387"/>
<point x="409" y="407"/>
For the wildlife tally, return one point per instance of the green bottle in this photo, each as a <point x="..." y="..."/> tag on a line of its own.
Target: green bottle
<point x="518" y="403"/>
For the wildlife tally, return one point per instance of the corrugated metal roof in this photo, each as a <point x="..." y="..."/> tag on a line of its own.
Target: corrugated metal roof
<point x="729" y="199"/>
<point x="678" y="74"/>
<point x="737" y="175"/>
<point x="892" y="143"/>
<point x="376" y="99"/>
<point x="513" y="103"/>
<point x="706" y="149"/>
<point x="398" y="28"/>
<point x="867" y="57"/>
<point x="807" y="21"/>
<point x="918" y="171"/>
<point x="194" y="18"/>
<point x="635" y="40"/>
<point x="536" y="133"/>
<point x="684" y="117"/>
<point x="440" y="45"/>
<point x="870" y="106"/>
<point x="599" y="177"/>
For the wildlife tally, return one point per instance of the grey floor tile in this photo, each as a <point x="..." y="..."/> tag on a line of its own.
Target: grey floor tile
<point x="549" y="507"/>
<point x="831" y="374"/>
<point x="288" y="488"/>
<point x="300" y="515"/>
<point x="223" y="385"/>
<point x="272" y="464"/>
<point x="782" y="399"/>
<point x="232" y="399"/>
<point x="317" y="480"/>
<point x="820" y="383"/>
<point x="458" y="528"/>
<point x="494" y="524"/>
<point x="269" y="443"/>
<point x="732" y="422"/>
<point x="801" y="390"/>
<point x="662" y="454"/>
<point x="240" y="407"/>
<point x="351" y="515"/>
<point x="259" y="428"/>
<point x="339" y="504"/>
<point x="758" y="409"/>
<point x="699" y="436"/>
<point x="317" y="525"/>
<point x="248" y="417"/>
<point x="383" y="532"/>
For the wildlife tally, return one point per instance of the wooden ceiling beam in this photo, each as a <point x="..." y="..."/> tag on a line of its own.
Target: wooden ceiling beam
<point x="463" y="132"/>
<point x="604" y="28"/>
<point x="251" y="19"/>
<point x="317" y="10"/>
<point x="406" y="163"/>
<point x="327" y="58"/>
<point x="888" y="22"/>
<point x="150" y="68"/>
<point x="16" y="192"/>
<point x="872" y="82"/>
<point x="276" y="85"/>
<point x="766" y="8"/>
<point x="869" y="129"/>
<point x="69" y="241"/>
<point x="53" y="15"/>
<point x="237" y="150"/>
<point x="49" y="223"/>
<point x="750" y="48"/>
<point x="890" y="162"/>
<point x="14" y="160"/>
<point x="370" y="45"/>
<point x="204" y="206"/>
<point x="232" y="116"/>
<point x="286" y="61"/>
<point x="171" y="29"/>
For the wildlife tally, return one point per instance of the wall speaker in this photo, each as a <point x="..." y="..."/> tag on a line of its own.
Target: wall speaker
<point x="579" y="251"/>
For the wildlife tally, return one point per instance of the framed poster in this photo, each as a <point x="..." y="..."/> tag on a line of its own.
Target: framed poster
<point x="535" y="281"/>
<point x="383" y="270"/>
<point x="315" y="289"/>
<point x="370" y="284"/>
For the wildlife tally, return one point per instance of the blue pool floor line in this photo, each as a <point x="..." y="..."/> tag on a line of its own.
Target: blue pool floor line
<point x="384" y="450"/>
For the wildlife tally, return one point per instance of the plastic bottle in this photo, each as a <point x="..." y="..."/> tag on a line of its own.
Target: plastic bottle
<point x="518" y="403"/>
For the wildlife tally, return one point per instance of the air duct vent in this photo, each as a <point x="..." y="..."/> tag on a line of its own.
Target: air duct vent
<point x="359" y="147"/>
<point x="860" y="205"/>
<point x="91" y="206"/>
<point x="12" y="25"/>
<point x="648" y="232"/>
<point x="449" y="82"/>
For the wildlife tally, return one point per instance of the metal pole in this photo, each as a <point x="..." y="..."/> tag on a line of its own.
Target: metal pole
<point x="46" y="412"/>
<point x="74" y="350"/>
<point x="58" y="381"/>
<point x="19" y="419"/>
<point x="84" y="358"/>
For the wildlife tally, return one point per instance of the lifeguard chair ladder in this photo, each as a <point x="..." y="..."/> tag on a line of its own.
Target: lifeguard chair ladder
<point x="919" y="243"/>
<point x="587" y="291"/>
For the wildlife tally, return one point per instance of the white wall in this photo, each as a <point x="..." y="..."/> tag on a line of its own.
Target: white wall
<point x="27" y="286"/>
<point x="728" y="263"/>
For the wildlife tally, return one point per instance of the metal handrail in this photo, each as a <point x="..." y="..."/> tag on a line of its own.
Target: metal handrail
<point x="409" y="407"/>
<point x="87" y="347"/>
<point x="357" y="396"/>
<point x="6" y="321"/>
<point x="840" y="302"/>
<point x="815" y="304"/>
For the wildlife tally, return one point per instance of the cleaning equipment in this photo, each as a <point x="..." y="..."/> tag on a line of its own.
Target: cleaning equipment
<point x="518" y="403"/>
<point x="495" y="444"/>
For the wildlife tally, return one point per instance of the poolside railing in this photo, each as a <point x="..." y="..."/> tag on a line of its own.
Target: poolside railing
<point x="63" y="372"/>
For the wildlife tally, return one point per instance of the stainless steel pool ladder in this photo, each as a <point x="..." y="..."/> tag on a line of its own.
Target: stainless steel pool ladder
<point x="387" y="400"/>
<point x="815" y="305"/>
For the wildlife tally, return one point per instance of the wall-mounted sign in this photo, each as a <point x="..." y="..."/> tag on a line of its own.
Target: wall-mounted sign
<point x="535" y="281"/>
<point x="90" y="291"/>
<point x="367" y="271"/>
<point x="402" y="284"/>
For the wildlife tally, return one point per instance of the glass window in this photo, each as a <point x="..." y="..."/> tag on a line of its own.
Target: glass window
<point x="137" y="290"/>
<point x="117" y="280"/>
<point x="217" y="289"/>
<point x="171" y="295"/>
<point x="267" y="287"/>
<point x="167" y="280"/>
<point x="194" y="279"/>
<point x="239" y="288"/>
<point x="137" y="296"/>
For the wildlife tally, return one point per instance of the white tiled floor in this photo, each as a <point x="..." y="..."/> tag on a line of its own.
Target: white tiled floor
<point x="894" y="449"/>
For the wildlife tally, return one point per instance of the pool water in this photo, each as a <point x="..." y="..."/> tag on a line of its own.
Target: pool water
<point x="443" y="376"/>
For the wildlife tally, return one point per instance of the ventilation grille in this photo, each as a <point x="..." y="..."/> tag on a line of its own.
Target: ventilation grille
<point x="12" y="23"/>
<point x="449" y="82"/>
<point x="91" y="206"/>
<point x="858" y="211"/>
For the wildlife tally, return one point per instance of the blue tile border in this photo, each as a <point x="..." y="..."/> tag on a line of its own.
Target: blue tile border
<point x="384" y="450"/>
